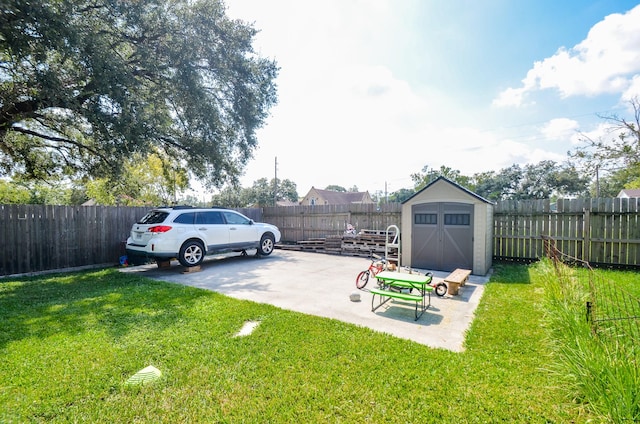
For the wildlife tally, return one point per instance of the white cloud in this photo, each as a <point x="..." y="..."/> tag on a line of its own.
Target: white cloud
<point x="607" y="61"/>
<point x="633" y="91"/>
<point x="560" y="128"/>
<point x="472" y="151"/>
<point x="510" y="97"/>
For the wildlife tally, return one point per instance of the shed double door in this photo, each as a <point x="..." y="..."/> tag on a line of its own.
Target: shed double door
<point x="442" y="236"/>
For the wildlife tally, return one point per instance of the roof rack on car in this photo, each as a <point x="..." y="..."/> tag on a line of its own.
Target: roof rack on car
<point x="175" y="207"/>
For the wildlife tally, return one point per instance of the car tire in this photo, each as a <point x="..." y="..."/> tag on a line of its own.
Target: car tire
<point x="267" y="244"/>
<point x="191" y="253"/>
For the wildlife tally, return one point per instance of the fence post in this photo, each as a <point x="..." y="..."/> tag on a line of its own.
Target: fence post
<point x="586" y="231"/>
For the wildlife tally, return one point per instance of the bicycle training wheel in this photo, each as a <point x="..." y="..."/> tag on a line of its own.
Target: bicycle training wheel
<point x="441" y="289"/>
<point x="362" y="279"/>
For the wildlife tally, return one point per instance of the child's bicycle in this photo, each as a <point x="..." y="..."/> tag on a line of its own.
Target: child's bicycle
<point x="377" y="265"/>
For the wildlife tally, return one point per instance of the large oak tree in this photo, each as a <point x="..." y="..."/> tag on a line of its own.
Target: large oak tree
<point x="86" y="83"/>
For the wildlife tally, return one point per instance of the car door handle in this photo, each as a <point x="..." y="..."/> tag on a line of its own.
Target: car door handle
<point x="233" y="228"/>
<point x="202" y="229"/>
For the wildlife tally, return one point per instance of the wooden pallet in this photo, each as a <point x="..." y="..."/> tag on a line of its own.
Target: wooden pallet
<point x="363" y="244"/>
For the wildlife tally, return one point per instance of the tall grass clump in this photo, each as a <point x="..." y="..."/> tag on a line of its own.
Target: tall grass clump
<point x="601" y="369"/>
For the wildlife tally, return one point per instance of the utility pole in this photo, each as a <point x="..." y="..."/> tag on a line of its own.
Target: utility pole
<point x="275" y="183"/>
<point x="386" y="197"/>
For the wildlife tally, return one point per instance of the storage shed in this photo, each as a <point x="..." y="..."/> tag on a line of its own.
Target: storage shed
<point x="445" y="226"/>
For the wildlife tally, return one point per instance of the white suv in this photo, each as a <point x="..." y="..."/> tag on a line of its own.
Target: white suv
<point x="190" y="233"/>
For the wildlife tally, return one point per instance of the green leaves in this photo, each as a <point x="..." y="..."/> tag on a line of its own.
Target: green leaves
<point x="262" y="193"/>
<point x="543" y="180"/>
<point x="99" y="82"/>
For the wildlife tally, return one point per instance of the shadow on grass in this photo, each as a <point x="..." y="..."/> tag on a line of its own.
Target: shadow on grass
<point x="79" y="302"/>
<point x="510" y="273"/>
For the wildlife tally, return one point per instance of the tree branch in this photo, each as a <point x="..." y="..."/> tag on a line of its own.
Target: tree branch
<point x="62" y="140"/>
<point x="25" y="109"/>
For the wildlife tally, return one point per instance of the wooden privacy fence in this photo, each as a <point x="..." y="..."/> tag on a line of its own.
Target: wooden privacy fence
<point x="298" y="223"/>
<point x="38" y="237"/>
<point x="599" y="231"/>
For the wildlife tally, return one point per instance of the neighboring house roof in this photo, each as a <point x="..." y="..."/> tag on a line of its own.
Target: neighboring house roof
<point x="337" y="197"/>
<point x="441" y="178"/>
<point x="286" y="203"/>
<point x="629" y="192"/>
<point x="330" y="197"/>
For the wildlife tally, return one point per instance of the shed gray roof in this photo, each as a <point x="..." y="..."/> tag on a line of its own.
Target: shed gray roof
<point x="453" y="183"/>
<point x="629" y="192"/>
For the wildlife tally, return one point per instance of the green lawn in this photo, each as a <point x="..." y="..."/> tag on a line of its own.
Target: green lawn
<point x="69" y="342"/>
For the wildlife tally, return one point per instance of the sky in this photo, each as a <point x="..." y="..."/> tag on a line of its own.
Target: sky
<point x="372" y="91"/>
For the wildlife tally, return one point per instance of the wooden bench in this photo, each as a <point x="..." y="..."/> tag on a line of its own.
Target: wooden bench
<point x="456" y="279"/>
<point x="391" y="284"/>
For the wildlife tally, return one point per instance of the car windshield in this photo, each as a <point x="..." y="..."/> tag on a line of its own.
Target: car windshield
<point x="153" y="217"/>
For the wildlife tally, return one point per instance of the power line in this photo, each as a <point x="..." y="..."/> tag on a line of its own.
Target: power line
<point x="526" y="124"/>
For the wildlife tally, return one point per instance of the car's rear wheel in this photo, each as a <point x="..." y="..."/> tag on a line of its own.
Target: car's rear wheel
<point x="267" y="244"/>
<point x="191" y="253"/>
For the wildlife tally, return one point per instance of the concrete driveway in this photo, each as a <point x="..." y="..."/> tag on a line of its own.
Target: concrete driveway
<point x="321" y="285"/>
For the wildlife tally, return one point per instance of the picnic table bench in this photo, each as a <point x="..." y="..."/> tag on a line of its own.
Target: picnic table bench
<point x="391" y="285"/>
<point x="457" y="279"/>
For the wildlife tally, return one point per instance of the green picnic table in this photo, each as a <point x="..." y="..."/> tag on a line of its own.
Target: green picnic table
<point x="394" y="285"/>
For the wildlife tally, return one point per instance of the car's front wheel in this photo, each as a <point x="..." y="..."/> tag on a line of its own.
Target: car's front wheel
<point x="267" y="244"/>
<point x="191" y="253"/>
